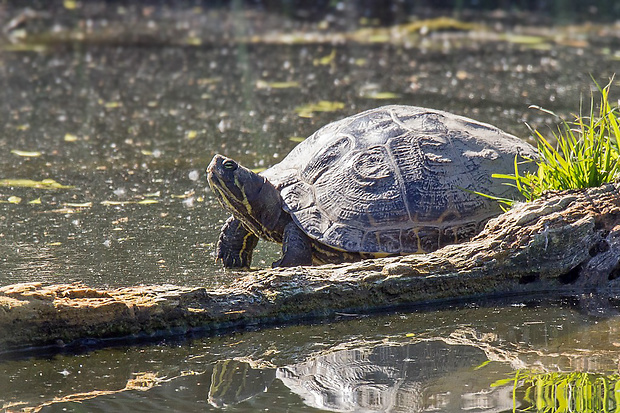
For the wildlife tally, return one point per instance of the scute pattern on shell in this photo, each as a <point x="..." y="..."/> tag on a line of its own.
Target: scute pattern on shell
<point x="395" y="179"/>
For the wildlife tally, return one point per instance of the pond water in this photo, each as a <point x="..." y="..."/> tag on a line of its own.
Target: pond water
<point x="460" y="358"/>
<point x="109" y="114"/>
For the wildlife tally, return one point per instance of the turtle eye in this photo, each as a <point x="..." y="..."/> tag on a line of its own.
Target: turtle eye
<point x="230" y="165"/>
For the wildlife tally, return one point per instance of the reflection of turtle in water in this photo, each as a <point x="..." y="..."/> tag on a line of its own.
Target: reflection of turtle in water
<point x="388" y="181"/>
<point x="390" y="377"/>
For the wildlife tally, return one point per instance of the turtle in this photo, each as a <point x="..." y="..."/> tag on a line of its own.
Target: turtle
<point x="388" y="181"/>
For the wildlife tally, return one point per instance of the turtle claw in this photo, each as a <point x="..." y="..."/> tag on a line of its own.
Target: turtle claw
<point x="230" y="259"/>
<point x="235" y="245"/>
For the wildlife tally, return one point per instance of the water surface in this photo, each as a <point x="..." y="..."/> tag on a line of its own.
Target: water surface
<point x="462" y="358"/>
<point x="130" y="123"/>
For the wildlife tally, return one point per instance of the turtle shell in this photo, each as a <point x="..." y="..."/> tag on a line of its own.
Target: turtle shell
<point x="397" y="179"/>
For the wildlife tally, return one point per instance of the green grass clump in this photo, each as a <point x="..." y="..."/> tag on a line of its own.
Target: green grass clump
<point x="586" y="153"/>
<point x="564" y="392"/>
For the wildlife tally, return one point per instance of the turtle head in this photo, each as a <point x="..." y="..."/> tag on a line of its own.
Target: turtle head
<point x="250" y="197"/>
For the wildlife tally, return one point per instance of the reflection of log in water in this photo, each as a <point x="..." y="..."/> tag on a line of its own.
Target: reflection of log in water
<point x="566" y="242"/>
<point x="234" y="381"/>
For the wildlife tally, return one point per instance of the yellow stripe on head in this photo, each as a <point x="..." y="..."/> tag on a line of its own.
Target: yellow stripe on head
<point x="244" y="201"/>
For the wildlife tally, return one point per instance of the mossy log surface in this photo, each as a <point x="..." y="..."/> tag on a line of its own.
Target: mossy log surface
<point x="567" y="241"/>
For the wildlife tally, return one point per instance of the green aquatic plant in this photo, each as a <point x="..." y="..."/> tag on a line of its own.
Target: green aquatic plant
<point x="564" y="392"/>
<point x="29" y="183"/>
<point x="585" y="154"/>
<point x="308" y="110"/>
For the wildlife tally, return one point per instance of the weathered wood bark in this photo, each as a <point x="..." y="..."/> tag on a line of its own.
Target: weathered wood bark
<point x="567" y="241"/>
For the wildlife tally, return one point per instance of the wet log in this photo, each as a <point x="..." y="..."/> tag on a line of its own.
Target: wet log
<point x="567" y="241"/>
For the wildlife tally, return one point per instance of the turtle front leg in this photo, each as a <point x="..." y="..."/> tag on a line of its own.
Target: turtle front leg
<point x="296" y="247"/>
<point x="235" y="245"/>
